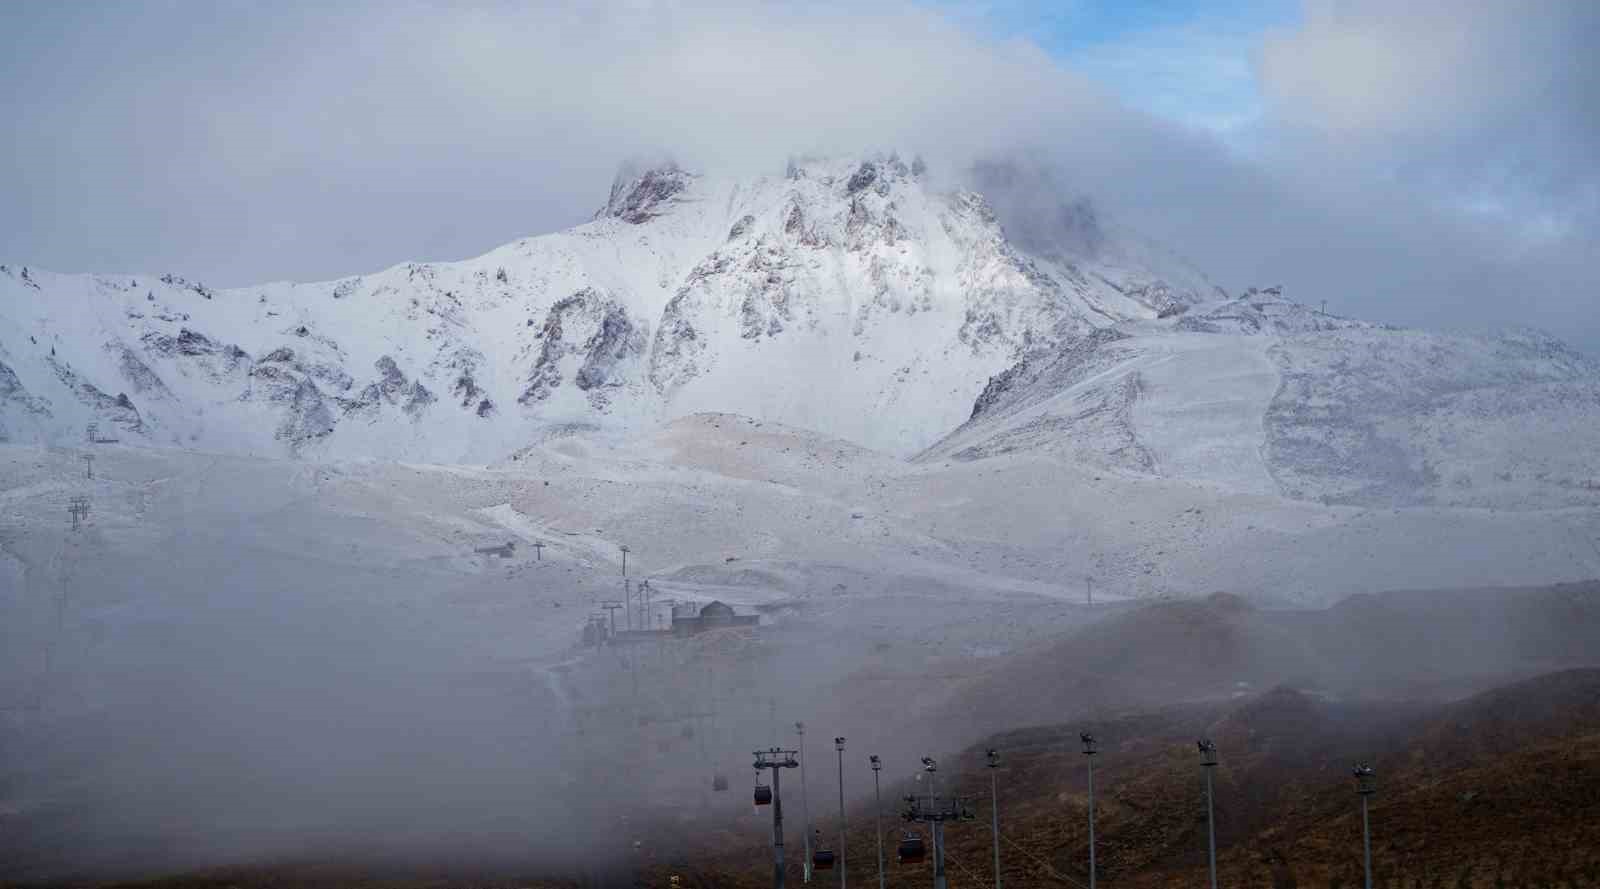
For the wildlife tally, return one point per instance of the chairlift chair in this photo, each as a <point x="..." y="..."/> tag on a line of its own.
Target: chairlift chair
<point x="912" y="850"/>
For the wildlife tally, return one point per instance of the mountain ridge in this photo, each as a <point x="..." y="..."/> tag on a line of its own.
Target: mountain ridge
<point x="667" y="303"/>
<point x="850" y="296"/>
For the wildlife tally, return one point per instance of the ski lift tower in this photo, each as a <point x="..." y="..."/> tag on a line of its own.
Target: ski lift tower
<point x="1090" y="748"/>
<point x="611" y="607"/>
<point x="937" y="810"/>
<point x="1366" y="786"/>
<point x="1208" y="764"/>
<point x="877" y="812"/>
<point x="78" y="508"/>
<point x="777" y="760"/>
<point x="993" y="761"/>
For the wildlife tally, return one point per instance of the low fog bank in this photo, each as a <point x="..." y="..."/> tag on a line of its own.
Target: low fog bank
<point x="1402" y="646"/>
<point x="281" y="724"/>
<point x="250" y="662"/>
<point x="284" y="728"/>
<point x="242" y="661"/>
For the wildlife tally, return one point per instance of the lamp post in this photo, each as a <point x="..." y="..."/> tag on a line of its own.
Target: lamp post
<point x="838" y="744"/>
<point x="805" y="805"/>
<point x="993" y="757"/>
<point x="877" y="810"/>
<point x="1090" y="747"/>
<point x="626" y="595"/>
<point x="1208" y="762"/>
<point x="1366" y="786"/>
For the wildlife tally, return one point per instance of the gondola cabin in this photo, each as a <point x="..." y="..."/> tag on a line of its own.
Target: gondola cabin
<point x="822" y="859"/>
<point x="719" y="783"/>
<point x="911" y="850"/>
<point x="763" y="795"/>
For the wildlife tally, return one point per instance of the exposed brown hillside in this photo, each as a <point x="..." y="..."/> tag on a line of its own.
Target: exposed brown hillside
<point x="1403" y="645"/>
<point x="1502" y="789"/>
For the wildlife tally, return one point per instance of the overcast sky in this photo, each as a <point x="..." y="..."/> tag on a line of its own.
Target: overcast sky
<point x="1434" y="162"/>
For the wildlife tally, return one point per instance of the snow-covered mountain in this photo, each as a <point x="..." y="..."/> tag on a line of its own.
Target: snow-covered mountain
<point x="853" y="297"/>
<point x="847" y="296"/>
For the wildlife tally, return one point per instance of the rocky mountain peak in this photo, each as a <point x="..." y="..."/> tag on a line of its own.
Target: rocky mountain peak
<point x="640" y="193"/>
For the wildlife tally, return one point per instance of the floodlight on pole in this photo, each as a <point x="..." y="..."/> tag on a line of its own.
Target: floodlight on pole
<point x="993" y="757"/>
<point x="940" y="880"/>
<point x="1366" y="786"/>
<point x="1090" y="748"/>
<point x="805" y="801"/>
<point x="838" y="744"/>
<point x="877" y="811"/>
<point x="1208" y="763"/>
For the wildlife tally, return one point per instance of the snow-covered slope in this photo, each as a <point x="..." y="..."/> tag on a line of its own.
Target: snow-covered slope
<point x="851" y="297"/>
<point x="1261" y="394"/>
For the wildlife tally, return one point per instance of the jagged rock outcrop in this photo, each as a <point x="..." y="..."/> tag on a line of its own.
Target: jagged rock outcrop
<point x="144" y="380"/>
<point x="1063" y="399"/>
<point x="589" y="336"/>
<point x="280" y="379"/>
<point x="638" y="196"/>
<point x="117" y="410"/>
<point x="390" y="388"/>
<point x="15" y="401"/>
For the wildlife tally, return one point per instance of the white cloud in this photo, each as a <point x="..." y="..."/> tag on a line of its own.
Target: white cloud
<point x="1485" y="100"/>
<point x="293" y="142"/>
